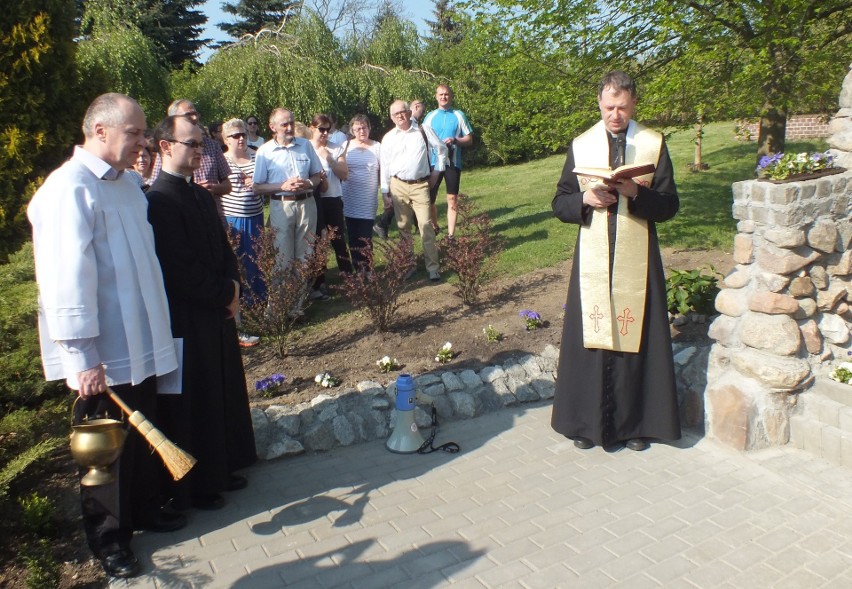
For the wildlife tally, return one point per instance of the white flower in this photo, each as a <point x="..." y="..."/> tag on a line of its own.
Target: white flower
<point x="447" y="346"/>
<point x="318" y="377"/>
<point x="437" y="359"/>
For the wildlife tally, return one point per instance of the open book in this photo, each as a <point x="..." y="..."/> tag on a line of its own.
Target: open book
<point x="625" y="171"/>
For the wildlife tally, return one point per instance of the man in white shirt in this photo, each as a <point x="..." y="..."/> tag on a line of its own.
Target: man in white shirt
<point x="287" y="169"/>
<point x="103" y="314"/>
<point x="405" y="177"/>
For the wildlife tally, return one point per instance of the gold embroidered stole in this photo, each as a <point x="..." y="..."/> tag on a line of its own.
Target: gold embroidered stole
<point x="613" y="320"/>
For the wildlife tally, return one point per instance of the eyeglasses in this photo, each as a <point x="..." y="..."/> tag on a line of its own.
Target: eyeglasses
<point x="323" y="129"/>
<point x="401" y="112"/>
<point x="237" y="136"/>
<point x="191" y="144"/>
<point x="254" y="123"/>
<point x="192" y="114"/>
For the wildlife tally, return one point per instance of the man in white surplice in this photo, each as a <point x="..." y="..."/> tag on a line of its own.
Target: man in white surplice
<point x="103" y="314"/>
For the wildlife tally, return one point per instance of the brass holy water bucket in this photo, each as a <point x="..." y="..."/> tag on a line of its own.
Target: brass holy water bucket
<point x="96" y="444"/>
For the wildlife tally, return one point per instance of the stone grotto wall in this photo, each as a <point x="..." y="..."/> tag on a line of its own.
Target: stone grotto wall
<point x="840" y="126"/>
<point x="784" y="309"/>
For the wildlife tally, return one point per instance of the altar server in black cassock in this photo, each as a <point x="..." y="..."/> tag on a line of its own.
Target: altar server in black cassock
<point x="604" y="396"/>
<point x="210" y="419"/>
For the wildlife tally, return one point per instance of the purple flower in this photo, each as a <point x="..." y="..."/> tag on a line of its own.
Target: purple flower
<point x="271" y="382"/>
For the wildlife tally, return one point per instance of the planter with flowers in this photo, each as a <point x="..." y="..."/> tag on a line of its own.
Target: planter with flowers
<point x="781" y="168"/>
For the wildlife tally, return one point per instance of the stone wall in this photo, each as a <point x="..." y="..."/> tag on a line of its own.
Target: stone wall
<point x="798" y="127"/>
<point x="366" y="412"/>
<point x="840" y="126"/>
<point x="784" y="309"/>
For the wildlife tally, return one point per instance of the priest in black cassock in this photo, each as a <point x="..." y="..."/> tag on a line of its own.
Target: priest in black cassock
<point x="210" y="419"/>
<point x="616" y="381"/>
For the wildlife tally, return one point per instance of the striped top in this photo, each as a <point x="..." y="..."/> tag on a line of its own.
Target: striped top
<point x="361" y="188"/>
<point x="242" y="201"/>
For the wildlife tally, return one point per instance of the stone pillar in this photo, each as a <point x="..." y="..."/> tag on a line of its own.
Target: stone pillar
<point x="840" y="127"/>
<point x="784" y="309"/>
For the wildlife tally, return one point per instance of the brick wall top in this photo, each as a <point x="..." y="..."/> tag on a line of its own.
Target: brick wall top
<point x="813" y="126"/>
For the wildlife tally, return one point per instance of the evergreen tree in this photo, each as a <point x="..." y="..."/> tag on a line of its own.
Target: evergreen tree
<point x="254" y="15"/>
<point x="42" y="108"/>
<point x="446" y="28"/>
<point x="174" y="25"/>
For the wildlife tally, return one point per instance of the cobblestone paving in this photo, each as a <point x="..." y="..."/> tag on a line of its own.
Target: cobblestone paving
<point x="520" y="507"/>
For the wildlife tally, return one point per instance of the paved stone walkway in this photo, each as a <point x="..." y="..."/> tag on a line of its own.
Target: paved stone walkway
<point x="520" y="507"/>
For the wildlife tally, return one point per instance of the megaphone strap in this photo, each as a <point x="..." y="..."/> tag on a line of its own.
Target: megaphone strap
<point x="428" y="448"/>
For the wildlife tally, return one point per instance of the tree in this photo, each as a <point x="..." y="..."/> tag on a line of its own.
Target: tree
<point x="446" y="28"/>
<point x="121" y="59"/>
<point x="776" y="40"/>
<point x="254" y="15"/>
<point x="41" y="106"/>
<point x="306" y="68"/>
<point x="173" y="25"/>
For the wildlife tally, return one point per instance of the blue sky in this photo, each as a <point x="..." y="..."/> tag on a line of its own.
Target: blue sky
<point x="418" y="12"/>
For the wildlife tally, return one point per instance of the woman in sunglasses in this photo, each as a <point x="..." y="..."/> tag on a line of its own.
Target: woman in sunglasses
<point x="252" y="127"/>
<point x="333" y="158"/>
<point x="243" y="209"/>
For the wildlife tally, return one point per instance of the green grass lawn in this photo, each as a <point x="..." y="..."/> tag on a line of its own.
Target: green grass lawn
<point x="518" y="199"/>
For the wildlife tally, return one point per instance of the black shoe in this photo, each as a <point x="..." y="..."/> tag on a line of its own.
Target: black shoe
<point x="380" y="231"/>
<point x="166" y="520"/>
<point x="122" y="564"/>
<point x="236" y="482"/>
<point x="636" y="444"/>
<point x="208" y="501"/>
<point x="583" y="443"/>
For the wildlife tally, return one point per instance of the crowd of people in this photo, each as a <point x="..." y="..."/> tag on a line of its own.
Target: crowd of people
<point x="135" y="285"/>
<point x="315" y="177"/>
<point x="138" y="278"/>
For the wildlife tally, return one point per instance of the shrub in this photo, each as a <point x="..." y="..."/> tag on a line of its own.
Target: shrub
<point x="378" y="288"/>
<point x="22" y="381"/>
<point x="39" y="515"/>
<point x="43" y="571"/>
<point x="692" y="290"/>
<point x="472" y="252"/>
<point x="42" y="108"/>
<point x="275" y="317"/>
<point x="19" y="462"/>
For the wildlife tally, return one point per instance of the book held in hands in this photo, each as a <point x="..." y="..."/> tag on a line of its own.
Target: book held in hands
<point x="625" y="171"/>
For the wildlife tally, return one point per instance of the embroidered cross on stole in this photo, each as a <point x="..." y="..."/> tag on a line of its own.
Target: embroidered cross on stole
<point x="612" y="320"/>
